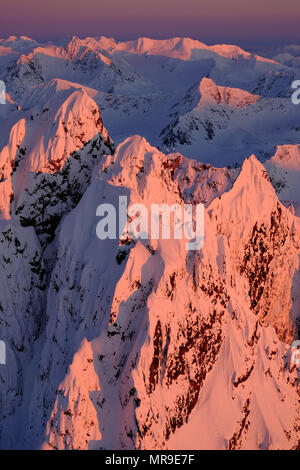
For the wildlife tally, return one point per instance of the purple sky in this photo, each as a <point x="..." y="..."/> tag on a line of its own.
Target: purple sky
<point x="212" y="20"/>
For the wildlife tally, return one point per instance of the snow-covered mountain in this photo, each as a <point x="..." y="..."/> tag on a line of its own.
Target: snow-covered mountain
<point x="138" y="82"/>
<point x="48" y="160"/>
<point x="211" y="117"/>
<point x="284" y="171"/>
<point x="141" y="344"/>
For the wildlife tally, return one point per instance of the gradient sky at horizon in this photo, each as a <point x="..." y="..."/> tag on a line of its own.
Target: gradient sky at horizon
<point x="256" y="21"/>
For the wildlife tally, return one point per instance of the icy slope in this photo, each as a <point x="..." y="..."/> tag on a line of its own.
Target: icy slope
<point x="284" y="171"/>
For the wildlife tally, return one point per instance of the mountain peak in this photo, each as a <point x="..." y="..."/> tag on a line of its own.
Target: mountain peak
<point x="211" y="93"/>
<point x="253" y="176"/>
<point x="19" y="39"/>
<point x="287" y="156"/>
<point x="252" y="196"/>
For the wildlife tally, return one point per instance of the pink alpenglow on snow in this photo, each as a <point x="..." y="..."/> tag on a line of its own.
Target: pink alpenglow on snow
<point x="121" y="327"/>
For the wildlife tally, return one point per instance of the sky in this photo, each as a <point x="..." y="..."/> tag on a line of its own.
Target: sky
<point x="253" y="21"/>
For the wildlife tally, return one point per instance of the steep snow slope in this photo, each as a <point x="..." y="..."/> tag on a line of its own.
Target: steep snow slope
<point x="145" y="340"/>
<point x="284" y="171"/>
<point x="22" y="314"/>
<point x="275" y="84"/>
